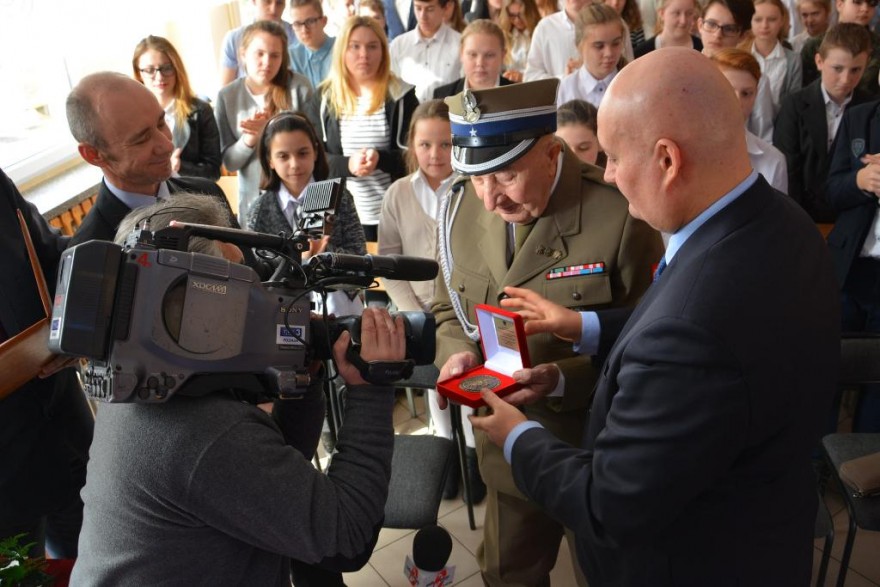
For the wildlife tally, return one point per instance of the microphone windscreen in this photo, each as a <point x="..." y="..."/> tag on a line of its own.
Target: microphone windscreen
<point x="432" y="546"/>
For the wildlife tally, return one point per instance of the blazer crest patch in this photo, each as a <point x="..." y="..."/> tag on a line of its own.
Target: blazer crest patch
<point x="858" y="147"/>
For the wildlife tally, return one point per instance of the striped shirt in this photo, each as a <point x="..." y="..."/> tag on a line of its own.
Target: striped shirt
<point x="366" y="131"/>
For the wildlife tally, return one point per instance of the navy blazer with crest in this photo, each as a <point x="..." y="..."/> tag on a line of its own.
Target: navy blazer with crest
<point x="801" y="133"/>
<point x="859" y="135"/>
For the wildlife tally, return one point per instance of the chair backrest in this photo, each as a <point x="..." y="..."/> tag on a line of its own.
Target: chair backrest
<point x="418" y="471"/>
<point x="423" y="377"/>
<point x="859" y="358"/>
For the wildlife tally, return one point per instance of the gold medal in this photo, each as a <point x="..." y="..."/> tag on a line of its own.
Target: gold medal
<point x="479" y="382"/>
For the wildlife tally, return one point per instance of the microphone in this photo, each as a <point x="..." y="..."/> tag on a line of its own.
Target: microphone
<point x="432" y="546"/>
<point x="400" y="267"/>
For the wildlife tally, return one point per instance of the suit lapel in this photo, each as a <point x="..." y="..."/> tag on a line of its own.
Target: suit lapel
<point x="817" y="128"/>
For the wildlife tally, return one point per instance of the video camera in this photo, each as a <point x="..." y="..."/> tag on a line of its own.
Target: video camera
<point x="156" y="320"/>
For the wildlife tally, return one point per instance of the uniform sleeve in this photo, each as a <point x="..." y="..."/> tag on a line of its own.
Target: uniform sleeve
<point x="451" y="338"/>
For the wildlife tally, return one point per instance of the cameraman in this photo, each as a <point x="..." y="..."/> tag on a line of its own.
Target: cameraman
<point x="213" y="490"/>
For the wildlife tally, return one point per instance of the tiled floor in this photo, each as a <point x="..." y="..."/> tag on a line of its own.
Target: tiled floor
<point x="386" y="565"/>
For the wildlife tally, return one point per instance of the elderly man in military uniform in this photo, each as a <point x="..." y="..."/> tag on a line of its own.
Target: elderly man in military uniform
<point x="531" y="216"/>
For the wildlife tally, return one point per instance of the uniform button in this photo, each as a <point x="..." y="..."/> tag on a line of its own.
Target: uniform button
<point x="575" y="295"/>
<point x="461" y="287"/>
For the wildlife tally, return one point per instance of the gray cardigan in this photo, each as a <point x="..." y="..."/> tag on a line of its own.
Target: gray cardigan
<point x="234" y="104"/>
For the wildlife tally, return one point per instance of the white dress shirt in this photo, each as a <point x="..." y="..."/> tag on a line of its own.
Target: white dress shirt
<point x="428" y="198"/>
<point x="426" y="63"/>
<point x="581" y="85"/>
<point x="768" y="161"/>
<point x="833" y="114"/>
<point x="761" y="120"/>
<point x="290" y="203"/>
<point x="552" y="47"/>
<point x="773" y="68"/>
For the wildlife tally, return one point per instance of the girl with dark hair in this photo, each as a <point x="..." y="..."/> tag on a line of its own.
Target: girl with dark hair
<point x="157" y="65"/>
<point x="245" y="105"/>
<point x="576" y="125"/>
<point x="291" y="157"/>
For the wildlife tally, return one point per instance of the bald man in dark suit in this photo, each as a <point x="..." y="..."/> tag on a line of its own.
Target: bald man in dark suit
<point x="695" y="468"/>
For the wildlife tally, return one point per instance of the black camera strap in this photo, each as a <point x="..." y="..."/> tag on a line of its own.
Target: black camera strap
<point x="379" y="372"/>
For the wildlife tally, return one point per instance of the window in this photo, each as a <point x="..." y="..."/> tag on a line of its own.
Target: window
<point x="47" y="46"/>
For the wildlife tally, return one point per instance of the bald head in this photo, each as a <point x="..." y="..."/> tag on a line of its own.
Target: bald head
<point x="673" y="111"/>
<point x="86" y="104"/>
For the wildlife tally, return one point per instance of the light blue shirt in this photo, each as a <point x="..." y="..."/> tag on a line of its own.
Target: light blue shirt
<point x="133" y="200"/>
<point x="590" y="327"/>
<point x="315" y="65"/>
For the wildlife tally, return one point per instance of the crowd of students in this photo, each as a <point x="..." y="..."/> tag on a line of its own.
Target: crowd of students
<point x="360" y="88"/>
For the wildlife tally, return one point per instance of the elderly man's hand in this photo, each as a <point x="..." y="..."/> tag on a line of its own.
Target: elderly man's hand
<point x="542" y="315"/>
<point x="382" y="339"/>
<point x="455" y="366"/>
<point x="537" y="383"/>
<point x="500" y="422"/>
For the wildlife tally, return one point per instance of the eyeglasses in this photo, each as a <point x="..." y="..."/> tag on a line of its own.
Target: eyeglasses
<point x="728" y="30"/>
<point x="307" y="23"/>
<point x="871" y="3"/>
<point x="166" y="70"/>
<point x="515" y="15"/>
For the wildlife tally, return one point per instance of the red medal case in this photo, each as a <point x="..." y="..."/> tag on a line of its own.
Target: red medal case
<point x="503" y="340"/>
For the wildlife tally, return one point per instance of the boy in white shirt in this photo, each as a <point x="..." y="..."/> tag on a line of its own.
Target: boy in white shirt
<point x="428" y="56"/>
<point x="553" y="52"/>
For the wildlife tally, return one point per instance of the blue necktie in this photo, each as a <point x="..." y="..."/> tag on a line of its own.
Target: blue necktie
<point x="660" y="267"/>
